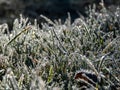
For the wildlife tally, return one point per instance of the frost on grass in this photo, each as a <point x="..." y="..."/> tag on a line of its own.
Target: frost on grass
<point x="48" y="57"/>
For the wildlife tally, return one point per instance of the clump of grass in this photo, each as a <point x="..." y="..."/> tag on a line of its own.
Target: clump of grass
<point x="48" y="57"/>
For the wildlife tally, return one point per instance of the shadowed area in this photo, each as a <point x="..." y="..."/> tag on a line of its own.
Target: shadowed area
<point x="53" y="9"/>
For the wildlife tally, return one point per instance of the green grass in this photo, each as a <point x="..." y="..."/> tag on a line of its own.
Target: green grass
<point x="45" y="58"/>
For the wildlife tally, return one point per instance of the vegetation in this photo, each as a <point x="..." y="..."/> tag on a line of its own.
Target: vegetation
<point x="34" y="58"/>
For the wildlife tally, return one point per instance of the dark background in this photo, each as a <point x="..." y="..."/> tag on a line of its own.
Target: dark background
<point x="53" y="9"/>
